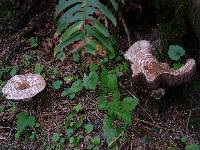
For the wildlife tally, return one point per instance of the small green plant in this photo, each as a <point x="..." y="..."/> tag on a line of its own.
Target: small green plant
<point x="24" y="120"/>
<point x="39" y="69"/>
<point x="188" y="146"/>
<point x="192" y="147"/>
<point x="58" y="142"/>
<point x="33" y="42"/>
<point x="175" y="53"/>
<point x="26" y="61"/>
<point x="57" y="84"/>
<point x="89" y="128"/>
<point x="116" y="109"/>
<point x="52" y="72"/>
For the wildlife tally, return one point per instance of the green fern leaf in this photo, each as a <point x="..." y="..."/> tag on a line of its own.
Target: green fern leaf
<point x="115" y="5"/>
<point x="72" y="29"/>
<point x="62" y="5"/>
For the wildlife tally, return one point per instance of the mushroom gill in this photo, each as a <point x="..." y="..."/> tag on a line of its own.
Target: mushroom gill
<point x="154" y="73"/>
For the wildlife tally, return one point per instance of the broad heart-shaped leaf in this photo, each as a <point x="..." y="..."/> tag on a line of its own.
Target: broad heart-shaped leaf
<point x="110" y="132"/>
<point x="175" y="52"/>
<point x="23" y="121"/>
<point x="90" y="81"/>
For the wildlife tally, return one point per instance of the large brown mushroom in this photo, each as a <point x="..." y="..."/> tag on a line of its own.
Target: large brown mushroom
<point x="154" y="73"/>
<point x="24" y="87"/>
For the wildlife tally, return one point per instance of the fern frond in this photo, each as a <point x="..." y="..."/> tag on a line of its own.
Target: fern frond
<point x="78" y="16"/>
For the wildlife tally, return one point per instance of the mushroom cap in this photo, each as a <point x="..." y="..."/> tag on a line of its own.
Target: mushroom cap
<point x="24" y="86"/>
<point x="154" y="73"/>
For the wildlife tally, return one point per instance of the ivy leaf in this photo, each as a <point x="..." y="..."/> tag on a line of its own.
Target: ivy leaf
<point x="90" y="82"/>
<point x="89" y="128"/>
<point x="175" y="52"/>
<point x="57" y="84"/>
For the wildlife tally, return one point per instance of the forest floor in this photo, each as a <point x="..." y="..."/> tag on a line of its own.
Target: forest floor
<point x="157" y="124"/>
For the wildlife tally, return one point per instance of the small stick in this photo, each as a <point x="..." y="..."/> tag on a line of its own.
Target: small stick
<point x="139" y="104"/>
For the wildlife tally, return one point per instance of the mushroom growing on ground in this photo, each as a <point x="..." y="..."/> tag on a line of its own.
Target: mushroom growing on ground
<point x="24" y="87"/>
<point x="154" y="73"/>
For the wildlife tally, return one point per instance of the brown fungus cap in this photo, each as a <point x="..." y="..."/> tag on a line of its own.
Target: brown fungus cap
<point x="154" y="73"/>
<point x="25" y="86"/>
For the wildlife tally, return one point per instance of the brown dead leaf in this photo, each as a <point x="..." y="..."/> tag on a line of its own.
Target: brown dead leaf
<point x="100" y="51"/>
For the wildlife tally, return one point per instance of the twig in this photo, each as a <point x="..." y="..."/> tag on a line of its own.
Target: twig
<point x="152" y="124"/>
<point x="138" y="104"/>
<point x="113" y="141"/>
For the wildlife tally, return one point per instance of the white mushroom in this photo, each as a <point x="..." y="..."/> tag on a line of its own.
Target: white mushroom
<point x="155" y="73"/>
<point x="24" y="87"/>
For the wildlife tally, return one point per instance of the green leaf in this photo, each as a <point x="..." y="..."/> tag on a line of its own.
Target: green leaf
<point x="192" y="147"/>
<point x="63" y="4"/>
<point x="75" y="88"/>
<point x="96" y="140"/>
<point x="111" y="81"/>
<point x="23" y="121"/>
<point x="39" y="68"/>
<point x="93" y="67"/>
<point x="175" y="52"/>
<point x="101" y="28"/>
<point x="102" y="104"/>
<point x="13" y="72"/>
<point x="57" y="84"/>
<point x="184" y="139"/>
<point x="78" y="107"/>
<point x="89" y="128"/>
<point x="110" y="132"/>
<point x="115" y="5"/>
<point x="33" y="42"/>
<point x="72" y="29"/>
<point x="177" y="65"/>
<point x="90" y="82"/>
<point x="55" y="137"/>
<point x="1" y="108"/>
<point x="130" y="103"/>
<point x="76" y="57"/>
